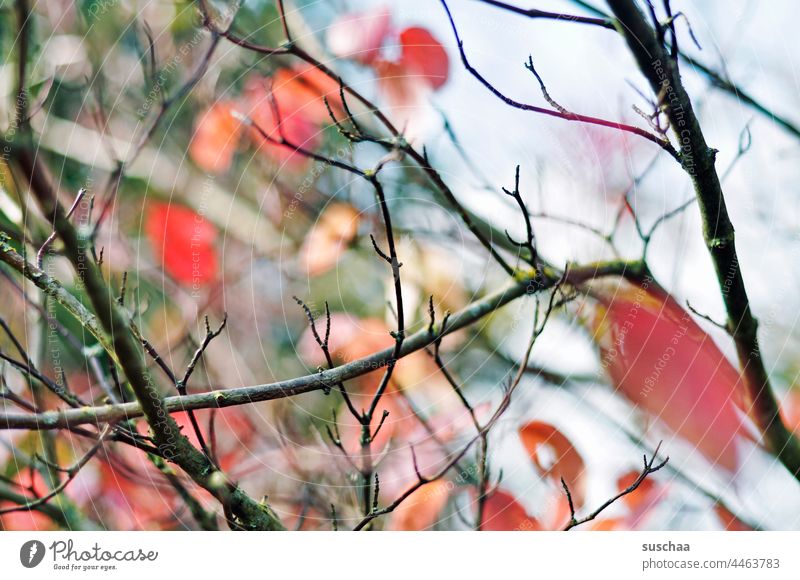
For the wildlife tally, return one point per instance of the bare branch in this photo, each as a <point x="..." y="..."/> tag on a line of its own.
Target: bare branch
<point x="543" y="14"/>
<point x="665" y="145"/>
<point x="698" y="161"/>
<point x="648" y="469"/>
<point x="71" y="472"/>
<point x="317" y="381"/>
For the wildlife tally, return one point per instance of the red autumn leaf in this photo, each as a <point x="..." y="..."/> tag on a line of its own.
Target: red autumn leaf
<point x="133" y="496"/>
<point x="423" y="55"/>
<point x="32" y="481"/>
<point x="290" y="123"/>
<point x="421" y="509"/>
<point x="663" y="362"/>
<point x="183" y="243"/>
<point x="359" y="35"/>
<point x="502" y="512"/>
<point x="215" y="138"/>
<point x="556" y="457"/>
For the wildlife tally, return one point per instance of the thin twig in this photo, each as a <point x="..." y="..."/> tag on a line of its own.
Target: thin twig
<point x="648" y="469"/>
<point x="52" y="237"/>
<point x="665" y="145"/>
<point x="71" y="472"/>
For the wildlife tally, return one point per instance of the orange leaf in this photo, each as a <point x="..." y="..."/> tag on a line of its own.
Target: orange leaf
<point x="605" y="525"/>
<point x="329" y="238"/>
<point x="555" y="456"/>
<point x="420" y="509"/>
<point x="215" y="138"/>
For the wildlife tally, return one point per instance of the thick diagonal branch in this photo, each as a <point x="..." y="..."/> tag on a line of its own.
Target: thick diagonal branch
<point x="697" y="159"/>
<point x="170" y="441"/>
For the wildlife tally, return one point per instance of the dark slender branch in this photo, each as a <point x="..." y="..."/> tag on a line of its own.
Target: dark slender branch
<point x="209" y="336"/>
<point x="60" y="391"/>
<point x="183" y="383"/>
<point x="166" y="103"/>
<point x="205" y="519"/>
<point x="550" y="100"/>
<point x="119" y="433"/>
<point x="157" y="358"/>
<point x="437" y="358"/>
<point x="336" y="439"/>
<point x="52" y="237"/>
<point x="718" y="80"/>
<point x="324" y="346"/>
<point x="544" y="14"/>
<point x="393" y="260"/>
<point x="378" y="250"/>
<point x="9" y="395"/>
<point x="664" y="144"/>
<point x="427" y="426"/>
<point x="54" y="512"/>
<point x="666" y="217"/>
<point x="71" y="473"/>
<point x="530" y="239"/>
<point x="184" y="90"/>
<point x="23" y="12"/>
<point x="480" y="436"/>
<point x="706" y="317"/>
<point x="483" y="480"/>
<point x="368" y="437"/>
<point x="365" y="418"/>
<point x="284" y="22"/>
<point x="17" y="344"/>
<point x="384" y="416"/>
<point x="282" y="141"/>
